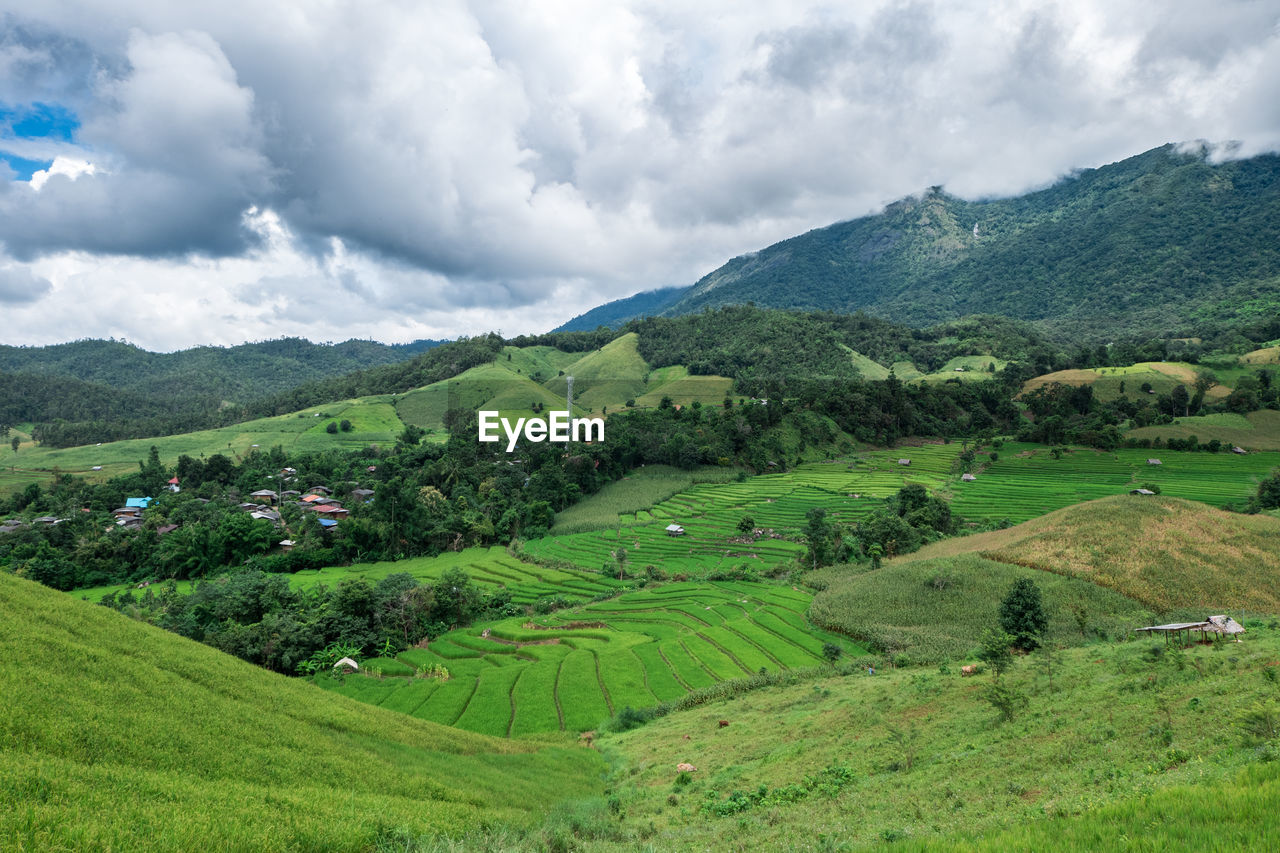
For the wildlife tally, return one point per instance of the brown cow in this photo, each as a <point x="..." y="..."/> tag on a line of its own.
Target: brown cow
<point x="724" y="723"/>
<point x="684" y="767"/>
<point x="968" y="669"/>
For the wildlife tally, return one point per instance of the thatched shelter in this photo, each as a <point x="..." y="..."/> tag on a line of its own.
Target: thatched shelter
<point x="1221" y="625"/>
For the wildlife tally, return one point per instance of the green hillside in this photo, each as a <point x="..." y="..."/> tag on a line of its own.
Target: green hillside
<point x="1120" y="746"/>
<point x="1167" y="553"/>
<point x="240" y="373"/>
<point x="929" y="610"/>
<point x="121" y="736"/>
<point x="1163" y="240"/>
<point x="373" y="419"/>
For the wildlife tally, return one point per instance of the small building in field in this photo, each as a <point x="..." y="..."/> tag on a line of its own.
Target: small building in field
<point x="1239" y="450"/>
<point x="904" y="461"/>
<point x="1154" y="462"/>
<point x="1141" y="492"/>
<point x="968" y="478"/>
<point x="286" y="545"/>
<point x="675" y="530"/>
<point x="348" y="664"/>
<point x="1220" y="625"/>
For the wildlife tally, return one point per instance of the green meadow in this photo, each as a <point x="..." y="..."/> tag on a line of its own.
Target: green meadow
<point x="121" y="736"/>
<point x="1115" y="746"/>
<point x="373" y="421"/>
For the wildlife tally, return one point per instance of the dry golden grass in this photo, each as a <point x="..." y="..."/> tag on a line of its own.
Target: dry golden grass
<point x="1164" y="552"/>
<point x="1269" y="355"/>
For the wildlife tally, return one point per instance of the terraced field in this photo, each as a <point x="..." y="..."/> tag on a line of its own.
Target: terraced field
<point x="571" y="670"/>
<point x="1027" y="481"/>
<point x="777" y="503"/>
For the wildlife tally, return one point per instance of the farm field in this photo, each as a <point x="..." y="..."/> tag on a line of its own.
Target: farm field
<point x="1167" y="553"/>
<point x="373" y="419"/>
<point x="571" y="670"/>
<point x="916" y="756"/>
<point x="930" y="610"/>
<point x="1162" y="376"/>
<point x="1253" y="431"/>
<point x="491" y="568"/>
<point x="639" y="490"/>
<point x="119" y="735"/>
<point x="1026" y="481"/>
<point x="710" y="513"/>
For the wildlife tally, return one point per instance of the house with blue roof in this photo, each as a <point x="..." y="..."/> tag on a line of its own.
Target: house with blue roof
<point x="140" y="503"/>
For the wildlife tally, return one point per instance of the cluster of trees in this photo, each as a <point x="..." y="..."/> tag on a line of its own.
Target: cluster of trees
<point x="1065" y="414"/>
<point x="899" y="525"/>
<point x="258" y="617"/>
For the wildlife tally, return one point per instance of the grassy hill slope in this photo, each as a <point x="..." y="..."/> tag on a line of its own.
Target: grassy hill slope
<point x="1123" y="748"/>
<point x="936" y="609"/>
<point x="118" y="735"/>
<point x="1165" y="552"/>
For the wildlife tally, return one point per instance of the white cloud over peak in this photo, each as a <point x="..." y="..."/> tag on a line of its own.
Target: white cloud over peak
<point x="447" y="168"/>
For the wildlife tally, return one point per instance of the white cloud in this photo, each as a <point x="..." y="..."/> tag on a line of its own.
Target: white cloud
<point x="446" y="168"/>
<point x="69" y="167"/>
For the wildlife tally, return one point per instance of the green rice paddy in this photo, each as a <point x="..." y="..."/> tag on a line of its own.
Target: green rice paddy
<point x="571" y="670"/>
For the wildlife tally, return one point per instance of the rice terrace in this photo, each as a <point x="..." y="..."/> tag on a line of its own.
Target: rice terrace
<point x="878" y="489"/>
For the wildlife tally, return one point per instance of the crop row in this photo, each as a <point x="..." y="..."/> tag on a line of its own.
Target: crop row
<point x="652" y="645"/>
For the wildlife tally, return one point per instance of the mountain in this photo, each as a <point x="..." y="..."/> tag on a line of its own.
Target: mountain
<point x="614" y="314"/>
<point x="1164" y="243"/>
<point x="240" y="373"/>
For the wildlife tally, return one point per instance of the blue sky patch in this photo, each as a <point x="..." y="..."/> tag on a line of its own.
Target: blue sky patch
<point x="24" y="167"/>
<point x="34" y="121"/>
<point x="38" y="121"/>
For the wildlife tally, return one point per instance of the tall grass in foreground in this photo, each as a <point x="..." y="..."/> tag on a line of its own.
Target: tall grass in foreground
<point x="118" y="735"/>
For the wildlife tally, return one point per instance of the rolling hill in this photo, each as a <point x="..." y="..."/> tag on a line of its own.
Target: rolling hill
<point x="118" y="735"/>
<point x="1167" y="553"/>
<point x="1164" y="242"/>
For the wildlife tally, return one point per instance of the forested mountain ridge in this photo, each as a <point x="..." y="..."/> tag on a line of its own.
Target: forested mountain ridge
<point x="239" y="374"/>
<point x="614" y="314"/>
<point x="1164" y="243"/>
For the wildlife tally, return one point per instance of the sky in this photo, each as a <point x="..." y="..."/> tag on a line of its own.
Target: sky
<point x="177" y="174"/>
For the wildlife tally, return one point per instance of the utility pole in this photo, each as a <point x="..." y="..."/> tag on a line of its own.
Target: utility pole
<point x="569" y="404"/>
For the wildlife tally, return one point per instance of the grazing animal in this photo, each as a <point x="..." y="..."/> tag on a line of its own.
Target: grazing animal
<point x="587" y="738"/>
<point x="969" y="669"/>
<point x="724" y="723"/>
<point x="685" y="767"/>
<point x="686" y="737"/>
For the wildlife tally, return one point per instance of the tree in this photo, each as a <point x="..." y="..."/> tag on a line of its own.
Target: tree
<point x="14" y="443"/>
<point x="995" y="651"/>
<point x="820" y="534"/>
<point x="746" y="524"/>
<point x="1022" y="614"/>
<point x="1268" y="492"/>
<point x="331" y="428"/>
<point x="345" y="425"/>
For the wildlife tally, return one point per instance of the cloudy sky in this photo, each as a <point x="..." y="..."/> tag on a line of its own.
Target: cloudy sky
<point x="184" y="173"/>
